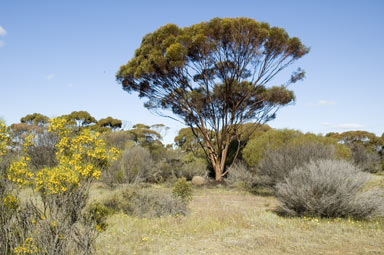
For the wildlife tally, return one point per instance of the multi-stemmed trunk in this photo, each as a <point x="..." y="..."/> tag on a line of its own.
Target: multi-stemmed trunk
<point x="218" y="157"/>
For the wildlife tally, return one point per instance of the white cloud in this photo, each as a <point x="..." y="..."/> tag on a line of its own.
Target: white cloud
<point x="326" y="102"/>
<point x="49" y="76"/>
<point x="343" y="125"/>
<point x="326" y="124"/>
<point x="2" y="31"/>
<point x="2" y="43"/>
<point x="69" y="85"/>
<point x="349" y="126"/>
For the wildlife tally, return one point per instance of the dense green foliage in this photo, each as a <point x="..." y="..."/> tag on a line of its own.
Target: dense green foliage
<point x="110" y="122"/>
<point x="272" y="140"/>
<point x="36" y="119"/>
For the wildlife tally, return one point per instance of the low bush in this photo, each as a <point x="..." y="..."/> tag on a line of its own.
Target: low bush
<point x="240" y="176"/>
<point x="163" y="170"/>
<point x="146" y="202"/>
<point x="197" y="167"/>
<point x="182" y="189"/>
<point x="328" y="188"/>
<point x="368" y="161"/>
<point x="97" y="213"/>
<point x="133" y="166"/>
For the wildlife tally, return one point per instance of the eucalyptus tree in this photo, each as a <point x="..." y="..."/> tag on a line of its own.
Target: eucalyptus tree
<point x="36" y="119"/>
<point x="214" y="76"/>
<point x="110" y="123"/>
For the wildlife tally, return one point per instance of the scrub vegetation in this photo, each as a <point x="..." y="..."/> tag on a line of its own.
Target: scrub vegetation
<point x="108" y="190"/>
<point x="229" y="184"/>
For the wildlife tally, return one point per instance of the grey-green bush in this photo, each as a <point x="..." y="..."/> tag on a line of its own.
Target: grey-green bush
<point x="134" y="166"/>
<point x="240" y="176"/>
<point x="43" y="151"/>
<point x="117" y="139"/>
<point x="328" y="188"/>
<point x="54" y="224"/>
<point x="146" y="202"/>
<point x="277" y="164"/>
<point x="197" y="167"/>
<point x="163" y="170"/>
<point x="368" y="161"/>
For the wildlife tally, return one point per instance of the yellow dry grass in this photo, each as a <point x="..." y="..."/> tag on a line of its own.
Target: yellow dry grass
<point x="230" y="222"/>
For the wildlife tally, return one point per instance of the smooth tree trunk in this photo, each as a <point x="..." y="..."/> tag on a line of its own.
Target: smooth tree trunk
<point x="218" y="159"/>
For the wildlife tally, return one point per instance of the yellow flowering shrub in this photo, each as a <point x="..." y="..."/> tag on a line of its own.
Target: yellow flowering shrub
<point x="19" y="172"/>
<point x="59" y="126"/>
<point x="4" y="139"/>
<point x="81" y="156"/>
<point x="11" y="202"/>
<point x="27" y="248"/>
<point x="55" y="180"/>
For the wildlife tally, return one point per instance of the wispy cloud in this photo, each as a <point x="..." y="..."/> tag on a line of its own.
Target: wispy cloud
<point x="2" y="43"/>
<point x="3" y="32"/>
<point x="327" y="124"/>
<point x="69" y="85"/>
<point x="49" y="76"/>
<point x="325" y="102"/>
<point x="343" y="125"/>
<point x="349" y="126"/>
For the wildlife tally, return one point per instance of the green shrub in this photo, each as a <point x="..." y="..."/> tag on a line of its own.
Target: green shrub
<point x="183" y="190"/>
<point x="273" y="139"/>
<point x="257" y="149"/>
<point x="98" y="214"/>
<point x="328" y="188"/>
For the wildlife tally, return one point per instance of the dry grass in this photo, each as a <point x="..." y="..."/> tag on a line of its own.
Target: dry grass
<point x="231" y="222"/>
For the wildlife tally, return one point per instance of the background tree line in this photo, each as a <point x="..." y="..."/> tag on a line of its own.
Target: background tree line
<point x="145" y="158"/>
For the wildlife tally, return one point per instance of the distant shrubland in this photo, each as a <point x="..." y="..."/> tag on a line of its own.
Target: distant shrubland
<point x="48" y="167"/>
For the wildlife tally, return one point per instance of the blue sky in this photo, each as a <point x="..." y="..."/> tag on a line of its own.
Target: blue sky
<point x="60" y="56"/>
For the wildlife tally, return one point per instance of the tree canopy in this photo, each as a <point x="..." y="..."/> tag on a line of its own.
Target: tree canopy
<point x="110" y="122"/>
<point x="213" y="76"/>
<point x="36" y="119"/>
<point x="81" y="118"/>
